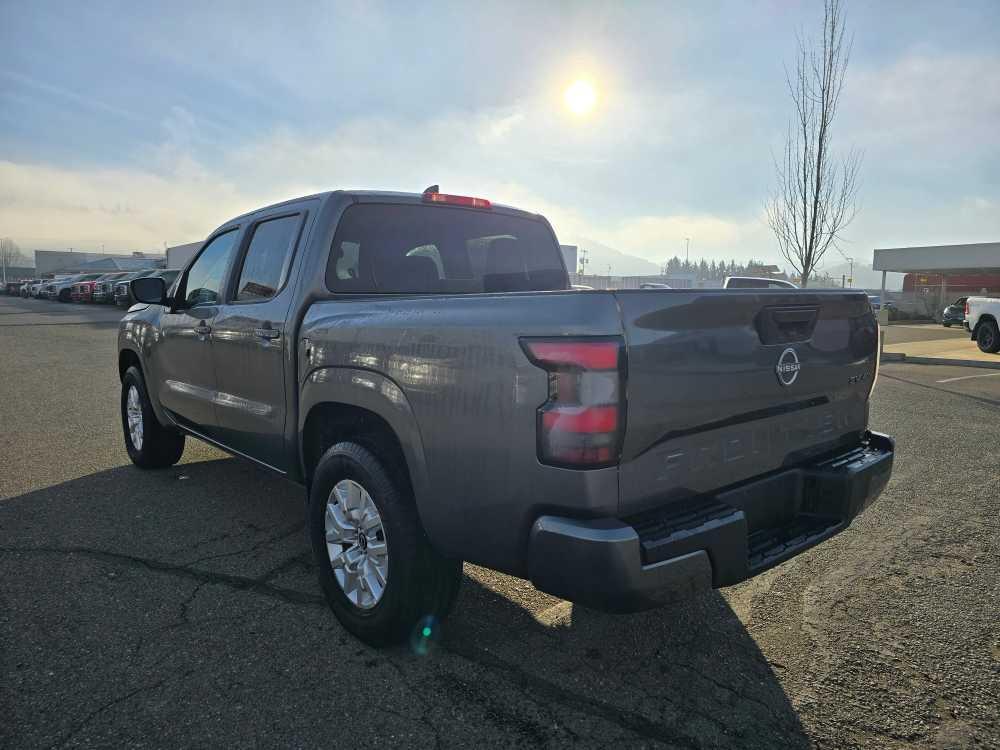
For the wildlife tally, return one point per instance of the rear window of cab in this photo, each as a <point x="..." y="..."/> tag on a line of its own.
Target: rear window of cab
<point x="414" y="249"/>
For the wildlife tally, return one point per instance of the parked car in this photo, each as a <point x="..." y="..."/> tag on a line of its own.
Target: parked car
<point x="104" y="287"/>
<point x="85" y="289"/>
<point x="954" y="313"/>
<point x="27" y="286"/>
<point x="13" y="288"/>
<point x="753" y="282"/>
<point x="50" y="289"/>
<point x="123" y="290"/>
<point x="982" y="320"/>
<point x="444" y="395"/>
<point x="63" y="290"/>
<point x="38" y="290"/>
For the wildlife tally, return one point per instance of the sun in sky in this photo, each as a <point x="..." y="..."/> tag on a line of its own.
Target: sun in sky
<point x="580" y="97"/>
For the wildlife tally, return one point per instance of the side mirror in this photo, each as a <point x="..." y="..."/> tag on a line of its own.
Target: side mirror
<point x="150" y="290"/>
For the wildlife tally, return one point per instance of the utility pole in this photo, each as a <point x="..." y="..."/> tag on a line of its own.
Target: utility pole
<point x="687" y="250"/>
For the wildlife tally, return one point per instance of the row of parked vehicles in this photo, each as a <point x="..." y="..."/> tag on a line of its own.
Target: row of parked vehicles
<point x="103" y="288"/>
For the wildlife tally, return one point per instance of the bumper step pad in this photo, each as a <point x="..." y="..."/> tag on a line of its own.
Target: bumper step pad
<point x="768" y="547"/>
<point x="752" y="527"/>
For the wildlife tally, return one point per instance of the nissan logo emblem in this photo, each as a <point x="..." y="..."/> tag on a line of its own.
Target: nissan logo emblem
<point x="788" y="367"/>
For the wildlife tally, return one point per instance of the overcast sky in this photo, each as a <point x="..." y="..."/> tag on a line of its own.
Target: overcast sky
<point x="127" y="127"/>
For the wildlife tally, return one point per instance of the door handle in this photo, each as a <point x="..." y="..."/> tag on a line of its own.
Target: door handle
<point x="203" y="329"/>
<point x="267" y="333"/>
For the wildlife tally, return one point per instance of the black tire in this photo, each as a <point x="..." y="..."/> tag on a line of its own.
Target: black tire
<point x="160" y="446"/>
<point x="64" y="295"/>
<point x="420" y="582"/>
<point x="988" y="337"/>
<point x="947" y="323"/>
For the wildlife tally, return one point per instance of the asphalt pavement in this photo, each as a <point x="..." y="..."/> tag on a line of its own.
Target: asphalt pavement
<point x="901" y="333"/>
<point x="180" y="608"/>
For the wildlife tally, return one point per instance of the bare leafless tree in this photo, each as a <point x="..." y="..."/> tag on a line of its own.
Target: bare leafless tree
<point x="10" y="255"/>
<point x="816" y="195"/>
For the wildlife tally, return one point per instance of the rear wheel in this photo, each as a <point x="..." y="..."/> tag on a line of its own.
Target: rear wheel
<point x="377" y="569"/>
<point x="947" y="323"/>
<point x="150" y="445"/>
<point x="988" y="337"/>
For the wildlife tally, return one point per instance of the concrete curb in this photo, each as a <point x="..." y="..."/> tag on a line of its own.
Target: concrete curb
<point x="897" y="357"/>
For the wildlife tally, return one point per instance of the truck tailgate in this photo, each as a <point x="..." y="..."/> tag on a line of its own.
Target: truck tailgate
<point x="725" y="385"/>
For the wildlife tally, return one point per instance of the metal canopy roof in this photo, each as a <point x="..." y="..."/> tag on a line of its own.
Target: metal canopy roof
<point x="983" y="257"/>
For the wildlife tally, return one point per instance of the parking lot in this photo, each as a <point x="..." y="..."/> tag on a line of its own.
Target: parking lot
<point x="180" y="607"/>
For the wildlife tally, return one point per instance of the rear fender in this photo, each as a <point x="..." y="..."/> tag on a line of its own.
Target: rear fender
<point x="378" y="394"/>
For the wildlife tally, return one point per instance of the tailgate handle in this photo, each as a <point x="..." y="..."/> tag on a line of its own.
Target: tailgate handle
<point x="783" y="325"/>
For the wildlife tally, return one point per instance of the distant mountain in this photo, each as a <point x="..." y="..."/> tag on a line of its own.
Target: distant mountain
<point x="601" y="256"/>
<point x="864" y="276"/>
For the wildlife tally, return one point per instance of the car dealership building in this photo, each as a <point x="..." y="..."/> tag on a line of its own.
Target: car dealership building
<point x="943" y="272"/>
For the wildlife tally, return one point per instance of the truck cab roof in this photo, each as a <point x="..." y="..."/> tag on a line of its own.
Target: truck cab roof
<point x="379" y="196"/>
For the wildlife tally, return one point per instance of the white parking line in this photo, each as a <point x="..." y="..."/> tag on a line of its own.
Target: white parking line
<point x="968" y="377"/>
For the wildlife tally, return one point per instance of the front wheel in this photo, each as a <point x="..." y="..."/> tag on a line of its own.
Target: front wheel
<point x="947" y="323"/>
<point x="150" y="445"/>
<point x="988" y="337"/>
<point x="377" y="569"/>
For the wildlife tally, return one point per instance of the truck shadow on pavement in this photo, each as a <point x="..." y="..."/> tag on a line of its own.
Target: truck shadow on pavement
<point x="180" y="607"/>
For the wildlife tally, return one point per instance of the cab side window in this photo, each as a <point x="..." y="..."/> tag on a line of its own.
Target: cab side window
<point x="264" y="264"/>
<point x="204" y="278"/>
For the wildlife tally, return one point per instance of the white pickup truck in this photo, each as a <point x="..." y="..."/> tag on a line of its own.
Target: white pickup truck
<point x="981" y="316"/>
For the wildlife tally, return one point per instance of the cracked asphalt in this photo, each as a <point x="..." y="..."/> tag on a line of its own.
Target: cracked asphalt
<point x="180" y="608"/>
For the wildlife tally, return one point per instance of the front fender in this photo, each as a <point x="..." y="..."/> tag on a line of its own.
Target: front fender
<point x="378" y="394"/>
<point x="137" y="336"/>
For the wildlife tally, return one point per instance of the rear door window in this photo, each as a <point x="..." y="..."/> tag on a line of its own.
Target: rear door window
<point x="413" y="249"/>
<point x="266" y="256"/>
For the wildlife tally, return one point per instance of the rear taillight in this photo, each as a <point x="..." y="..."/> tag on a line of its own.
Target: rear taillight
<point x="966" y="308"/>
<point x="581" y="423"/>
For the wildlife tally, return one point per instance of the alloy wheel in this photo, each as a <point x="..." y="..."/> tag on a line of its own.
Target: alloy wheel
<point x="133" y="413"/>
<point x="356" y="544"/>
<point x="986" y="337"/>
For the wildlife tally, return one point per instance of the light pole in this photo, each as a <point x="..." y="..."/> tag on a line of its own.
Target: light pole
<point x="850" y="273"/>
<point x="687" y="250"/>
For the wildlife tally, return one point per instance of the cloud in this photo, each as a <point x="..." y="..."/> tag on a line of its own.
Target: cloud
<point x="618" y="178"/>
<point x="58" y="92"/>
<point x="940" y="104"/>
<point x="43" y="206"/>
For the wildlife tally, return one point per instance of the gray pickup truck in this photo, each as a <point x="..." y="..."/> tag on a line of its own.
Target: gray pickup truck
<point x="420" y="363"/>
